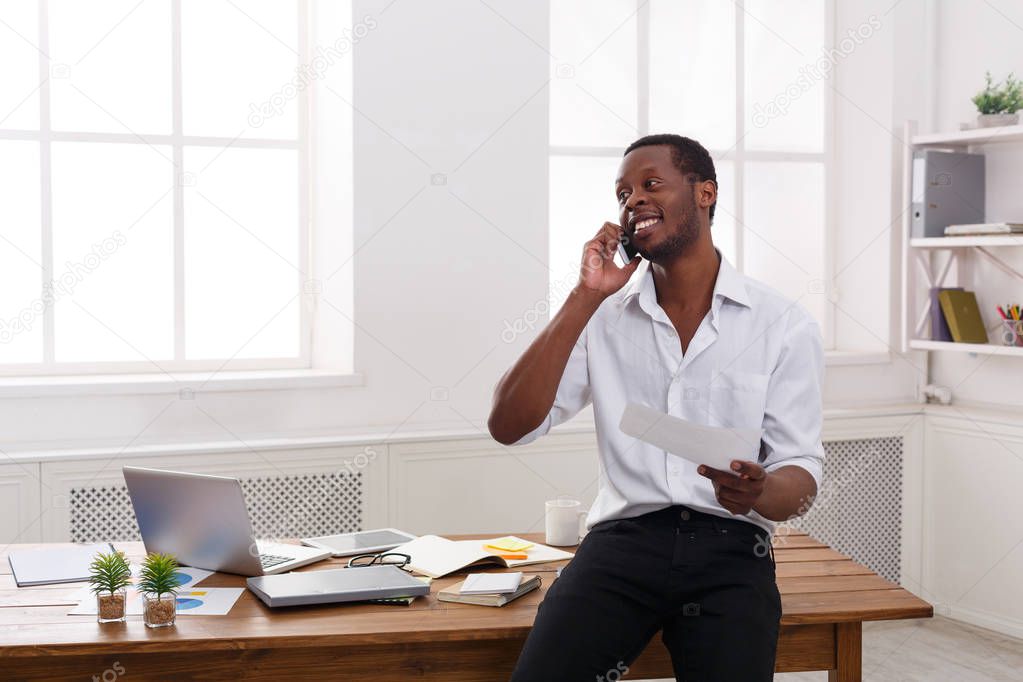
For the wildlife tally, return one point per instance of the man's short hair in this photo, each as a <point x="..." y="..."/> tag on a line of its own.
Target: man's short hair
<point x="692" y="159"/>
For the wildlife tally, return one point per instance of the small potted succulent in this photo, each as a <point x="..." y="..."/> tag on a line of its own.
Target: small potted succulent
<point x="997" y="104"/>
<point x="109" y="577"/>
<point x="158" y="583"/>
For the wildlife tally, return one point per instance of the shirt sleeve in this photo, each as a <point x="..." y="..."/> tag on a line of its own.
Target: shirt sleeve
<point x="573" y="392"/>
<point x="793" y="416"/>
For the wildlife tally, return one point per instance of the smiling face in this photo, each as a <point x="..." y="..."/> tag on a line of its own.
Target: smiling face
<point x="657" y="203"/>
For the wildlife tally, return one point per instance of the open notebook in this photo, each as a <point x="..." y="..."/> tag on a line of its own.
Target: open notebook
<point x="436" y="556"/>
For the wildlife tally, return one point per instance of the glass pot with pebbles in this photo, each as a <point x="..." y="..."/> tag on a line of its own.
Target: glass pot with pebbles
<point x="109" y="577"/>
<point x="158" y="583"/>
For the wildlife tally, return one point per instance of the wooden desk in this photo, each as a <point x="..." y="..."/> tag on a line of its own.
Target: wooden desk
<point x="825" y="599"/>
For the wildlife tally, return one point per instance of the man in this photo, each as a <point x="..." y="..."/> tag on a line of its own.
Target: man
<point x="672" y="546"/>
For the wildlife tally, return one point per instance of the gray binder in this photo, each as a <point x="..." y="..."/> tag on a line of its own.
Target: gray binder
<point x="336" y="586"/>
<point x="948" y="189"/>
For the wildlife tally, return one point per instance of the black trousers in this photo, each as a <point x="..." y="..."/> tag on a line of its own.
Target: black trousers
<point x="707" y="583"/>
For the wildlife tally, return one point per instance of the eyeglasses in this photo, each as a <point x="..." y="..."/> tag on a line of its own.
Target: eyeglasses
<point x="386" y="559"/>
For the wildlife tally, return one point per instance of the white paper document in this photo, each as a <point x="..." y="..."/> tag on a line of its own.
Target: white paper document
<point x="491" y="583"/>
<point x="193" y="601"/>
<point x="711" y="445"/>
<point x="186" y="575"/>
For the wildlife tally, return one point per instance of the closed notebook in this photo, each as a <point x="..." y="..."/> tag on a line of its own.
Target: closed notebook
<point x="454" y="593"/>
<point x="51" y="565"/>
<point x="963" y="316"/>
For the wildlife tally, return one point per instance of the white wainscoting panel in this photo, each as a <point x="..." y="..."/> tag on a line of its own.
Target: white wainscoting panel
<point x="974" y="521"/>
<point x="19" y="503"/>
<point x="480" y="486"/>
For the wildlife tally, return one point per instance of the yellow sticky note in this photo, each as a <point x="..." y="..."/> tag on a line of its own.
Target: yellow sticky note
<point x="508" y="544"/>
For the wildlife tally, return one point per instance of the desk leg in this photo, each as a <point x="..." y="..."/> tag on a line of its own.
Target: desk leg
<point x="848" y="653"/>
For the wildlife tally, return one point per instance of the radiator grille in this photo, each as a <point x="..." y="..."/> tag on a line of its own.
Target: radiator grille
<point x="102" y="514"/>
<point x="300" y="505"/>
<point x="858" y="509"/>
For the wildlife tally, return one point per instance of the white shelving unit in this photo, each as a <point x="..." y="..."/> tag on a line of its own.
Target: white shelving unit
<point x="920" y="270"/>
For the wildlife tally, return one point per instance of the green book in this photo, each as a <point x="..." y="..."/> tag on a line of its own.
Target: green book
<point x="963" y="316"/>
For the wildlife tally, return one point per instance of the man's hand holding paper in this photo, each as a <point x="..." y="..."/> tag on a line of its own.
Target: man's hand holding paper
<point x="723" y="455"/>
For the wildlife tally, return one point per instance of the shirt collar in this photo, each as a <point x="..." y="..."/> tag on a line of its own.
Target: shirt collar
<point x="730" y="284"/>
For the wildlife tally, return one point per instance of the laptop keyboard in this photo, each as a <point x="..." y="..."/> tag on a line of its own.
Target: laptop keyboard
<point x="271" y="560"/>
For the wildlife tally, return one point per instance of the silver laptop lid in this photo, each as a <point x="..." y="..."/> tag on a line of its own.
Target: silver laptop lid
<point x="200" y="519"/>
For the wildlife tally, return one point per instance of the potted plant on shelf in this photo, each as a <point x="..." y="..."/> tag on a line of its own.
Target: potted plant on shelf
<point x="158" y="583"/>
<point x="997" y="104"/>
<point x="109" y="577"/>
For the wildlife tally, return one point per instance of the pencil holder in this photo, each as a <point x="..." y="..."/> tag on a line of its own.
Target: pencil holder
<point x="1012" y="332"/>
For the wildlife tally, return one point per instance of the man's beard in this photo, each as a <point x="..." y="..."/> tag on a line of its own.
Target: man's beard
<point x="677" y="242"/>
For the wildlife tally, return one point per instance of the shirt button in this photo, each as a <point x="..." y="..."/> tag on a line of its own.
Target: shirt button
<point x="684" y="515"/>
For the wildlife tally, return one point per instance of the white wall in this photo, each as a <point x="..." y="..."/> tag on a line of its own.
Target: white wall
<point x="452" y="88"/>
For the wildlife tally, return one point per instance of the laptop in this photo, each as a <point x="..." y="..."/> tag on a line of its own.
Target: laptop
<point x="203" y="521"/>
<point x="336" y="586"/>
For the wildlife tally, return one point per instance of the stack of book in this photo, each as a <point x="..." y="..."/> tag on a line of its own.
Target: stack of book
<point x="955" y="316"/>
<point x="490" y="589"/>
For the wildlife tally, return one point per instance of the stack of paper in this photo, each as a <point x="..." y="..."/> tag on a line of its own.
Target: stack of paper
<point x="491" y="583"/>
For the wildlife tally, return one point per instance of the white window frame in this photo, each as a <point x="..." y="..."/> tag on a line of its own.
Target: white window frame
<point x="739" y="154"/>
<point x="177" y="140"/>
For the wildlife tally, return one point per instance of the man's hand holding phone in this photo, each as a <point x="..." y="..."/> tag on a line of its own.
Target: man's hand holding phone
<point x="599" y="274"/>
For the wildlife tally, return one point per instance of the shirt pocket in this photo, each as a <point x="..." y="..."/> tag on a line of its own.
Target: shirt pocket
<point x="738" y="399"/>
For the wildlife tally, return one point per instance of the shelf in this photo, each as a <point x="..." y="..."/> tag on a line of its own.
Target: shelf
<point x="968" y="137"/>
<point x="978" y="348"/>
<point x="964" y="242"/>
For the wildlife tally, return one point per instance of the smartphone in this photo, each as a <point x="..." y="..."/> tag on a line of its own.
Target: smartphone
<point x="626" y="249"/>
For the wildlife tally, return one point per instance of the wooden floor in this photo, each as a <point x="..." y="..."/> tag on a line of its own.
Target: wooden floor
<point x="931" y="650"/>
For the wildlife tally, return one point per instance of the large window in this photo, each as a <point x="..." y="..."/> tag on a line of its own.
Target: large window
<point x="153" y="185"/>
<point x="743" y="78"/>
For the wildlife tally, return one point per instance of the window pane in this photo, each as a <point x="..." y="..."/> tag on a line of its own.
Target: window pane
<point x="241" y="253"/>
<point x="783" y="241"/>
<point x="784" y="89"/>
<point x="19" y="76"/>
<point x="582" y="199"/>
<point x="593" y="86"/>
<point x="112" y="252"/>
<point x="238" y="67"/>
<point x="21" y="303"/>
<point x="110" y="66"/>
<point x="692" y="70"/>
<point x="722" y="231"/>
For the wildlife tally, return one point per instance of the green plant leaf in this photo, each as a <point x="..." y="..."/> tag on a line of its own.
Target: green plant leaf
<point x="1004" y="98"/>
<point x="158" y="576"/>
<point x="109" y="572"/>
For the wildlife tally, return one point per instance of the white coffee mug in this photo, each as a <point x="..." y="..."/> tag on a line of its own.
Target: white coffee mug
<point x="564" y="521"/>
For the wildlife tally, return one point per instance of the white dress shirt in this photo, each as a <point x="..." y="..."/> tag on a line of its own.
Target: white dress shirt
<point x="755" y="361"/>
